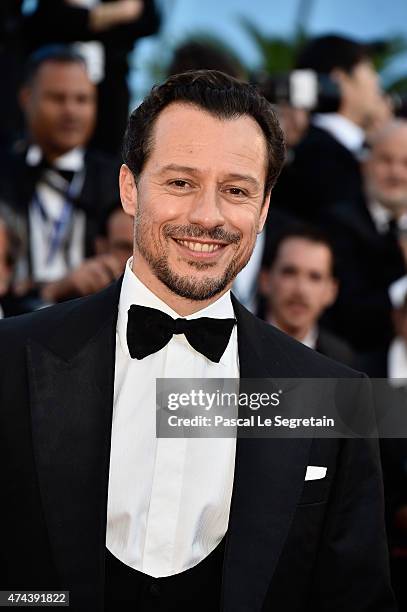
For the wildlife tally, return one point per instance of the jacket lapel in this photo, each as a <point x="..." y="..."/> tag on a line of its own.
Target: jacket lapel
<point x="269" y="476"/>
<point x="71" y="393"/>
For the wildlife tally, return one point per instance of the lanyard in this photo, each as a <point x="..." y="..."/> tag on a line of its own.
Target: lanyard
<point x="60" y="226"/>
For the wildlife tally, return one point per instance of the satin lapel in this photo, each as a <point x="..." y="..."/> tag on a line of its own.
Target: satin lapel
<point x="71" y="393"/>
<point x="269" y="476"/>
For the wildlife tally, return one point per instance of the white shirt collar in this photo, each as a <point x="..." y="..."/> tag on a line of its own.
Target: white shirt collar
<point x="381" y="216"/>
<point x="310" y="339"/>
<point x="342" y="129"/>
<point x="133" y="291"/>
<point x="72" y="160"/>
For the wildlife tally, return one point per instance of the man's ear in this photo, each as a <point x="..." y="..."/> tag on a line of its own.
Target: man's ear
<point x="128" y="190"/>
<point x="263" y="212"/>
<point x="332" y="292"/>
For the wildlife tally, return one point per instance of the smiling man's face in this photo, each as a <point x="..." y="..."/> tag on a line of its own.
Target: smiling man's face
<point x="199" y="202"/>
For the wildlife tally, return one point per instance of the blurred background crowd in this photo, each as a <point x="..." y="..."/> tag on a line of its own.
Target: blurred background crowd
<point x="330" y="269"/>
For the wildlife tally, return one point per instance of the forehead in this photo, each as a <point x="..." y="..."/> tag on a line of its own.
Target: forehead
<point x="187" y="135"/>
<point x="62" y="75"/>
<point x="304" y="253"/>
<point x="365" y="66"/>
<point x="395" y="142"/>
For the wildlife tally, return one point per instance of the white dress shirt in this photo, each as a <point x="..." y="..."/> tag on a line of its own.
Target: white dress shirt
<point x="168" y="499"/>
<point x="381" y="217"/>
<point x="342" y="129"/>
<point x="72" y="251"/>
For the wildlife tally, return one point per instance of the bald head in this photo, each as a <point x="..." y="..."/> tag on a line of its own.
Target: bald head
<point x="386" y="167"/>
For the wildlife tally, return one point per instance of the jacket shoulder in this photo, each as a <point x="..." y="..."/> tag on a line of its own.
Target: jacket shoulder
<point x="301" y="361"/>
<point x="71" y="323"/>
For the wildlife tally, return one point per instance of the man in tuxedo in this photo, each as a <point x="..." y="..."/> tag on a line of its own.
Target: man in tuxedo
<point x="371" y="248"/>
<point x="93" y="502"/>
<point x="61" y="190"/>
<point x="325" y="167"/>
<point x="298" y="282"/>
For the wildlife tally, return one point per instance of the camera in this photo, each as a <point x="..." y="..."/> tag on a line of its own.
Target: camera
<point x="304" y="89"/>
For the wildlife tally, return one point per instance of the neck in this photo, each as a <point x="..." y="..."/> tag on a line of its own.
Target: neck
<point x="180" y="305"/>
<point x="298" y="333"/>
<point x="51" y="154"/>
<point x="350" y="114"/>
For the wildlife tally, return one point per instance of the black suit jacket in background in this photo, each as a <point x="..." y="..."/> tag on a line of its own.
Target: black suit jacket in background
<point x="321" y="173"/>
<point x="367" y="263"/>
<point x="291" y="545"/>
<point x="335" y="348"/>
<point x="98" y="197"/>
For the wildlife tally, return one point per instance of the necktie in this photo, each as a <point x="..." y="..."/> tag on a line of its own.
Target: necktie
<point x="149" y="330"/>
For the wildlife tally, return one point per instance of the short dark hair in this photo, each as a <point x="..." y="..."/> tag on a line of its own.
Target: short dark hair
<point x="217" y="93"/>
<point x="62" y="54"/>
<point x="201" y="55"/>
<point x="304" y="232"/>
<point x="325" y="53"/>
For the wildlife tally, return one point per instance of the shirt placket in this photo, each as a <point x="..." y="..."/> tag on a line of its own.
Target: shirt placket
<point x="160" y="541"/>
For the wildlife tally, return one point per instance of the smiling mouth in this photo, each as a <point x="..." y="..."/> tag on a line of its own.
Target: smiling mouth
<point x="200" y="247"/>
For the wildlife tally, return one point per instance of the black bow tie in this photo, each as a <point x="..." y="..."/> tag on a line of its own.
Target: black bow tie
<point x="149" y="330"/>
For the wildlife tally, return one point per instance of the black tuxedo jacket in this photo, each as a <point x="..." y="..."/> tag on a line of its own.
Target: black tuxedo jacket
<point x="367" y="263"/>
<point x="335" y="348"/>
<point x="321" y="173"/>
<point x="99" y="193"/>
<point x="291" y="545"/>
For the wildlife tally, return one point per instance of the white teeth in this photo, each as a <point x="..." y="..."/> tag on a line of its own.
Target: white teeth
<point x="199" y="246"/>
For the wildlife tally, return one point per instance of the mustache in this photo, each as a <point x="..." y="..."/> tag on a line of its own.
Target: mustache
<point x="180" y="232"/>
<point x="297" y="301"/>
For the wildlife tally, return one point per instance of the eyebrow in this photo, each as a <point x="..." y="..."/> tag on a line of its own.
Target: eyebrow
<point x="190" y="170"/>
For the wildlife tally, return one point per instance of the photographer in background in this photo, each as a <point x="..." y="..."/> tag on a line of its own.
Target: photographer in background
<point x="104" y="32"/>
<point x="325" y="166"/>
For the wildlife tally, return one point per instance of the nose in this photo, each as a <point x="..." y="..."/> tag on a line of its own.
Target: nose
<point x="206" y="209"/>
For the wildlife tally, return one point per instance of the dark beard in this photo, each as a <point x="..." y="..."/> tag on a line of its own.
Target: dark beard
<point x="184" y="286"/>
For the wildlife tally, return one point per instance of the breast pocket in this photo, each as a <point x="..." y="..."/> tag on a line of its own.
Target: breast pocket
<point x="315" y="491"/>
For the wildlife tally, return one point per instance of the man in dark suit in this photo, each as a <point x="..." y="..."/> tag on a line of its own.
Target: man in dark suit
<point x="94" y="502"/>
<point x="106" y="32"/>
<point x="370" y="245"/>
<point x="325" y="165"/>
<point x="298" y="283"/>
<point x="61" y="190"/>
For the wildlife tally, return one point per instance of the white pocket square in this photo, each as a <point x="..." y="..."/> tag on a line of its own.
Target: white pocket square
<point x="315" y="472"/>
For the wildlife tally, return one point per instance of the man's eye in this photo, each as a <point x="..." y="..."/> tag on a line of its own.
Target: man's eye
<point x="179" y="183"/>
<point x="236" y="191"/>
